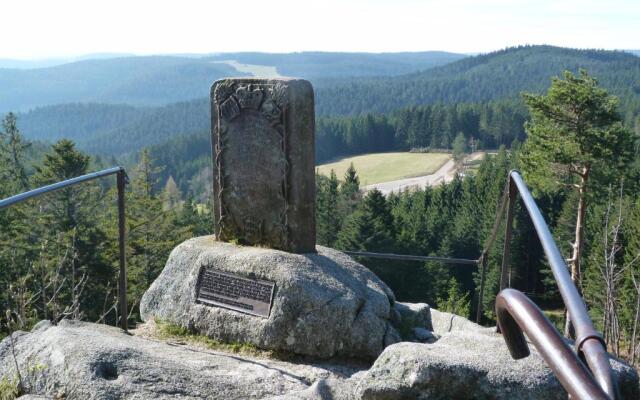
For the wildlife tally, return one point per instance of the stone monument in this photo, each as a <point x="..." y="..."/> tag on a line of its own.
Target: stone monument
<point x="261" y="279"/>
<point x="263" y="163"/>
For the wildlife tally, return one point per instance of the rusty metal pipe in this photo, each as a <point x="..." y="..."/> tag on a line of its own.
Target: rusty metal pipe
<point x="517" y="313"/>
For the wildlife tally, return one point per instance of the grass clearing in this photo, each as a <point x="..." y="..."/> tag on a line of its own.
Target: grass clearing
<point x="385" y="167"/>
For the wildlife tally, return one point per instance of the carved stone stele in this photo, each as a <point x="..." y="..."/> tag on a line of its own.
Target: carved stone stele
<point x="263" y="162"/>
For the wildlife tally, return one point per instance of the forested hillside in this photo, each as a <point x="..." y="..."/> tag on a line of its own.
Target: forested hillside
<point x="498" y="75"/>
<point x="486" y="125"/>
<point x="115" y="129"/>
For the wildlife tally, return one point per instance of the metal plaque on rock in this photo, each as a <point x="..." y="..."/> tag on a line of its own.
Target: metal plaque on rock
<point x="239" y="293"/>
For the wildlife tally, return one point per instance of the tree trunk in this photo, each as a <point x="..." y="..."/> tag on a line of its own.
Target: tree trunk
<point x="577" y="246"/>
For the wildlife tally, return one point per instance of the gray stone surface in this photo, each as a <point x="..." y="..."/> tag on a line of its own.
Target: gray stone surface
<point x="424" y="336"/>
<point x="444" y="322"/>
<point x="89" y="361"/>
<point x="324" y="305"/>
<point x="461" y="365"/>
<point x="467" y="365"/>
<point x="325" y="389"/>
<point x="82" y="361"/>
<point x="264" y="161"/>
<point x="414" y="314"/>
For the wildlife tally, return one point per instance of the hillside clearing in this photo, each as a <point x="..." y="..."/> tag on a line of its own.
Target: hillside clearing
<point x="384" y="167"/>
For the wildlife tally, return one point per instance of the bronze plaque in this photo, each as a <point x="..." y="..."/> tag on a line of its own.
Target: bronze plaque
<point x="238" y="293"/>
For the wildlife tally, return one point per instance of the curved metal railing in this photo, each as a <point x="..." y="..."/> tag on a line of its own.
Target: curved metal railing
<point x="516" y="313"/>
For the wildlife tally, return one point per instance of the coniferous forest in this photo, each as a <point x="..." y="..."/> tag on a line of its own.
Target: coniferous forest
<point x="59" y="253"/>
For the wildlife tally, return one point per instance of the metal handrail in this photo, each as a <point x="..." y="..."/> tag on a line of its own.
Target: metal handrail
<point x="122" y="180"/>
<point x="516" y="312"/>
<point x="589" y="344"/>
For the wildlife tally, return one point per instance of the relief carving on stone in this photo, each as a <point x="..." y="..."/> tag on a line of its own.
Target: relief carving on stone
<point x="251" y="158"/>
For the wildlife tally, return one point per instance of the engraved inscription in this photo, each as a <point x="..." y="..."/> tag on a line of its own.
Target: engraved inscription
<point x="251" y="296"/>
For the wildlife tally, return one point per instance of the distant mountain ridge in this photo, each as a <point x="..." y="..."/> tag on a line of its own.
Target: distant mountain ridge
<point x="54" y="61"/>
<point x="134" y="81"/>
<point x="161" y="80"/>
<point x="502" y="74"/>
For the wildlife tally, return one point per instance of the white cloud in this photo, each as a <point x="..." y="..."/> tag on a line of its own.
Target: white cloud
<point x="45" y="28"/>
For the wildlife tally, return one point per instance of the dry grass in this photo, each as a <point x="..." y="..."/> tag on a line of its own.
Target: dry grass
<point x="385" y="167"/>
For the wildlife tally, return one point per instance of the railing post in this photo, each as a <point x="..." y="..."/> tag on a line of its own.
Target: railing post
<point x="505" y="275"/>
<point x="483" y="274"/>
<point x="122" y="279"/>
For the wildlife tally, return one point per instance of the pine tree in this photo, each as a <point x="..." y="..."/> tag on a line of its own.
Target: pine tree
<point x="327" y="216"/>
<point x="457" y="302"/>
<point x="16" y="229"/>
<point x="349" y="192"/>
<point x="70" y="236"/>
<point x="459" y="147"/>
<point x="195" y="219"/>
<point x="12" y="153"/>
<point x="151" y="230"/>
<point x="370" y="227"/>
<point x="575" y="133"/>
<point x="171" y="194"/>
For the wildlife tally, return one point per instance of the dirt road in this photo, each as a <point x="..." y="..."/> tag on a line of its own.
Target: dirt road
<point x="444" y="174"/>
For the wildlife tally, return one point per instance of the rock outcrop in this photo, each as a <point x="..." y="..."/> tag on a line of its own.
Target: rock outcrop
<point x="77" y="360"/>
<point x="463" y="364"/>
<point x="85" y="361"/>
<point x="468" y="365"/>
<point x="324" y="305"/>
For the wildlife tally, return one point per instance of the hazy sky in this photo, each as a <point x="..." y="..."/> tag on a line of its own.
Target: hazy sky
<point x="49" y="28"/>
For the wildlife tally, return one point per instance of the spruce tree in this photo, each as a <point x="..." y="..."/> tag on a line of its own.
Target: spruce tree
<point x="327" y="212"/>
<point x="151" y="230"/>
<point x="459" y="147"/>
<point x="370" y="227"/>
<point x="12" y="153"/>
<point x="70" y="235"/>
<point x="349" y="192"/>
